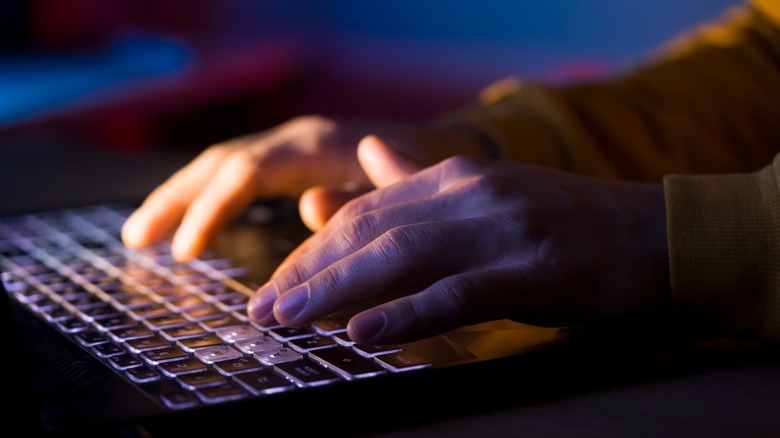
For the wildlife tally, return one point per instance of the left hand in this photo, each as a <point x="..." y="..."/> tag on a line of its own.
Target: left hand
<point x="470" y="240"/>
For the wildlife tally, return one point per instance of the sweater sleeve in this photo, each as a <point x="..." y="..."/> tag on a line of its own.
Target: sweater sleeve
<point x="706" y="103"/>
<point x="725" y="255"/>
<point x="703" y="118"/>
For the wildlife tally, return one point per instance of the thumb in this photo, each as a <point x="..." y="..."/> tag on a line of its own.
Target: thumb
<point x="383" y="163"/>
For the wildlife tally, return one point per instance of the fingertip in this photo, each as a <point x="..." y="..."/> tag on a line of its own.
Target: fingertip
<point x="383" y="163"/>
<point x="367" y="327"/>
<point x="260" y="306"/>
<point x="184" y="246"/>
<point x="133" y="233"/>
<point x="310" y="208"/>
<point x="318" y="204"/>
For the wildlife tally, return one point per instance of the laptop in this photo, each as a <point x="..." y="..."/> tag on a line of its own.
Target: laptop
<point x="111" y="340"/>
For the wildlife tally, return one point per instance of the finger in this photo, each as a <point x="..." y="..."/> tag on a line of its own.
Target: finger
<point x="227" y="193"/>
<point x="351" y="228"/>
<point x="449" y="303"/>
<point x="418" y="186"/>
<point x="318" y="204"/>
<point x="405" y="257"/>
<point x="383" y="163"/>
<point x="162" y="210"/>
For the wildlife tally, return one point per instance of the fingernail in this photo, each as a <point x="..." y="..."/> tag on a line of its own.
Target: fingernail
<point x="262" y="302"/>
<point x="368" y="325"/>
<point x="292" y="303"/>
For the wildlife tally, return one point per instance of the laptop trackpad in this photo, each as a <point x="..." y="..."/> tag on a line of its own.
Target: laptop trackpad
<point x="483" y="341"/>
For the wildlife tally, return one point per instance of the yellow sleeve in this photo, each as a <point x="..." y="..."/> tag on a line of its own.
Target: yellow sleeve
<point x="724" y="254"/>
<point x="703" y="117"/>
<point x="706" y="104"/>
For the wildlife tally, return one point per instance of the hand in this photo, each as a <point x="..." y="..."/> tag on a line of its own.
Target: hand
<point x="467" y="241"/>
<point x="313" y="157"/>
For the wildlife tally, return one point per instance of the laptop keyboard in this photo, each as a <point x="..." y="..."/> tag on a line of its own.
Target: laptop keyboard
<point x="179" y="330"/>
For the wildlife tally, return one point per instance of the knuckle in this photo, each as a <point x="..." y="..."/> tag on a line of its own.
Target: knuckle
<point x="292" y="275"/>
<point x="353" y="208"/>
<point x="329" y="280"/>
<point x="460" y="164"/>
<point x="490" y="186"/>
<point x="313" y="122"/>
<point x="397" y="244"/>
<point x="452" y="293"/>
<point x="240" y="162"/>
<point x="360" y="228"/>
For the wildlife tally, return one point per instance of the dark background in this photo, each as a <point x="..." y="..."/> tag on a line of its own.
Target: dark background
<point x="139" y="74"/>
<point x="143" y="85"/>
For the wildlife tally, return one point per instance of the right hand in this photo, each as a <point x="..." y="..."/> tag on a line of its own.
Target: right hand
<point x="312" y="157"/>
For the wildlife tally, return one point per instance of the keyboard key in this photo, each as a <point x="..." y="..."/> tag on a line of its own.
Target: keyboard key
<point x="201" y="379"/>
<point x="311" y="343"/>
<point x="150" y="310"/>
<point x="90" y="338"/>
<point x="402" y="361"/>
<point x="84" y="302"/>
<point x="235" y="366"/>
<point x="71" y="292"/>
<point x="217" y="353"/>
<point x="239" y="333"/>
<point x="284" y="334"/>
<point x="278" y="355"/>
<point x="347" y="363"/>
<point x="225" y="392"/>
<point x="72" y="325"/>
<point x="223" y="322"/>
<point x="156" y="357"/>
<point x="373" y="350"/>
<point x="124" y="361"/>
<point x="107" y="349"/>
<point x="142" y="374"/>
<point x="190" y="345"/>
<point x="258" y="344"/>
<point x="236" y="302"/>
<point x="186" y="303"/>
<point x="264" y="381"/>
<point x="115" y="323"/>
<point x="181" y="332"/>
<point x="135" y="302"/>
<point x="181" y="367"/>
<point x="328" y="327"/>
<point x="155" y="342"/>
<point x="57" y="314"/>
<point x="305" y="372"/>
<point x="166" y="321"/>
<point x="180" y="399"/>
<point x="203" y="313"/>
<point x="136" y="331"/>
<point x="44" y="305"/>
<point x="99" y="312"/>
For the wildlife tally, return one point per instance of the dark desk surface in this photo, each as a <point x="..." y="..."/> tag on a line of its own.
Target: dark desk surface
<point x="719" y="388"/>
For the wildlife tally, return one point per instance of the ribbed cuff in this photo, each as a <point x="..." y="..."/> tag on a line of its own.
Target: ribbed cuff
<point x="724" y="252"/>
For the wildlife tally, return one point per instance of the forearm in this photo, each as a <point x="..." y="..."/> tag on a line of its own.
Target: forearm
<point x="707" y="104"/>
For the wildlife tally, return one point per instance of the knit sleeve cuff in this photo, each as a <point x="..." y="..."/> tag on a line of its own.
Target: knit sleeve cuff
<point x="724" y="252"/>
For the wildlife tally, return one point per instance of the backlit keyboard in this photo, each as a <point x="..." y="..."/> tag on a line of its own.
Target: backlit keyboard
<point x="179" y="330"/>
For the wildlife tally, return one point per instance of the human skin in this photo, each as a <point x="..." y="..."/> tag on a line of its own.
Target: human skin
<point x="310" y="156"/>
<point x="423" y="248"/>
<point x="471" y="240"/>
